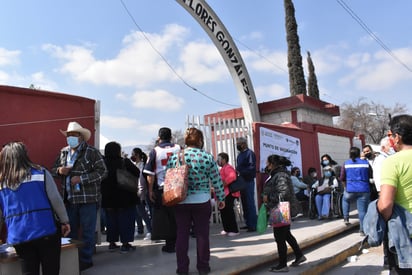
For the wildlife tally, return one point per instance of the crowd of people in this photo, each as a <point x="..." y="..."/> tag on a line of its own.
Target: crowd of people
<point x="89" y="183"/>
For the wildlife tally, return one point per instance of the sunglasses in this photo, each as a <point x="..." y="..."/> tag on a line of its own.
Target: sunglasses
<point x="390" y="134"/>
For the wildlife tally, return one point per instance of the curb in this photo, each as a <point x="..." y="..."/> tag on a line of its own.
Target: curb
<point x="332" y="261"/>
<point x="323" y="265"/>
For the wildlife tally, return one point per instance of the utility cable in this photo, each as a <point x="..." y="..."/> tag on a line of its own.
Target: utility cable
<point x="167" y="63"/>
<point x="368" y="30"/>
<point x="260" y="55"/>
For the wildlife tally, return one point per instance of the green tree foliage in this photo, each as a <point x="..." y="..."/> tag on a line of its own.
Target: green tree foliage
<point x="313" y="89"/>
<point x="368" y="118"/>
<point x="297" y="83"/>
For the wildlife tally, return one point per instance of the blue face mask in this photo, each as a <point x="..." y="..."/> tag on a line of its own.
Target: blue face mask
<point x="325" y="162"/>
<point x="328" y="174"/>
<point x="73" y="142"/>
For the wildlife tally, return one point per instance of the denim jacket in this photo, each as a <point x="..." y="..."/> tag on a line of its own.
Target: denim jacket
<point x="399" y="228"/>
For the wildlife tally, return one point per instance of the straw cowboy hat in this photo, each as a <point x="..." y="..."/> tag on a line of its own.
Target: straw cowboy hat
<point x="76" y="127"/>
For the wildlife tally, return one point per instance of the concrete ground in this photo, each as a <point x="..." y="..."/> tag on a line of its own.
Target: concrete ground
<point x="248" y="253"/>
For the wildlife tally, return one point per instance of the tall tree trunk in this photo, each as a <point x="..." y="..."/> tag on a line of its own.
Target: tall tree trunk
<point x="297" y="83"/>
<point x="313" y="89"/>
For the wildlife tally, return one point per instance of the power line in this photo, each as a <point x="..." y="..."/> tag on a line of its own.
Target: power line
<point x="260" y="55"/>
<point x="167" y="63"/>
<point x="368" y="30"/>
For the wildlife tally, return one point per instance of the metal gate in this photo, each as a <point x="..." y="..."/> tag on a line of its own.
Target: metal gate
<point x="220" y="136"/>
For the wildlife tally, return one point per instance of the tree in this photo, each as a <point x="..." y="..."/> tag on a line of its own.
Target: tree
<point x="297" y="83"/>
<point x="177" y="137"/>
<point x="370" y="119"/>
<point x="34" y="87"/>
<point x="313" y="89"/>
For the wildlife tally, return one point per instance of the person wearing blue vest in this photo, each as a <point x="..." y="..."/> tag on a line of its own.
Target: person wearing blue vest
<point x="355" y="176"/>
<point x="29" y="203"/>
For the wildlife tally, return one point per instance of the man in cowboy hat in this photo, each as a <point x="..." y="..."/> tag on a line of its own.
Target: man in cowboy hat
<point x="81" y="168"/>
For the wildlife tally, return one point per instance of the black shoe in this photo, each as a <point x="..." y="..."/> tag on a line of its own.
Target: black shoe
<point x="181" y="273"/>
<point x="168" y="249"/>
<point x="298" y="261"/>
<point x="84" y="265"/>
<point x="346" y="221"/>
<point x="126" y="248"/>
<point x="278" y="268"/>
<point x="204" y="272"/>
<point x="113" y="247"/>
<point x="244" y="227"/>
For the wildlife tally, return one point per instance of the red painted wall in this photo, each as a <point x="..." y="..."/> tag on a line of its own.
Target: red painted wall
<point x="35" y="118"/>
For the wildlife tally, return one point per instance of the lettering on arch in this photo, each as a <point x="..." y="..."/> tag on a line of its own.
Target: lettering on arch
<point x="210" y="22"/>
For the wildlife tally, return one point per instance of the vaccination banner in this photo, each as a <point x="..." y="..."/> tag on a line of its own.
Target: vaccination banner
<point x="273" y="142"/>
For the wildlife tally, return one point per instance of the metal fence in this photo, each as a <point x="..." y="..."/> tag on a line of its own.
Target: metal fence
<point x="220" y="136"/>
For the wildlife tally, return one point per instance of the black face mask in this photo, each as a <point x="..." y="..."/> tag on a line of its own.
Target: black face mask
<point x="133" y="158"/>
<point x="239" y="147"/>
<point x="297" y="174"/>
<point x="368" y="155"/>
<point x="267" y="170"/>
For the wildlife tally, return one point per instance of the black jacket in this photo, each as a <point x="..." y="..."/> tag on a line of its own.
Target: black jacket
<point x="112" y="195"/>
<point x="279" y="186"/>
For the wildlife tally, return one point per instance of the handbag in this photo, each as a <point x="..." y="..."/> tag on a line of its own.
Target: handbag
<point x="262" y="220"/>
<point x="238" y="185"/>
<point x="280" y="216"/>
<point x="176" y="182"/>
<point x="126" y="180"/>
<point x="373" y="192"/>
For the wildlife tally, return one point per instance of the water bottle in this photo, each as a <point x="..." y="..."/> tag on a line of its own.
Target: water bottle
<point x="76" y="187"/>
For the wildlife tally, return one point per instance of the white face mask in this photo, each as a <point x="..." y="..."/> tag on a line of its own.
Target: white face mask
<point x="314" y="175"/>
<point x="391" y="151"/>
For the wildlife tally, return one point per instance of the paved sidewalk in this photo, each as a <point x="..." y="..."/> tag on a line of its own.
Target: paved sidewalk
<point x="229" y="255"/>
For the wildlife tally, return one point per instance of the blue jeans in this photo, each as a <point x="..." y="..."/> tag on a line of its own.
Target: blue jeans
<point x="248" y="204"/>
<point x="83" y="216"/>
<point x="362" y="202"/>
<point x="322" y="204"/>
<point x="142" y="212"/>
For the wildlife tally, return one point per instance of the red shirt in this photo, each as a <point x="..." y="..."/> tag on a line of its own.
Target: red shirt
<point x="228" y="175"/>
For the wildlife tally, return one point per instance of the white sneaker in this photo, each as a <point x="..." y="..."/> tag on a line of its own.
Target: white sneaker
<point x="232" y="234"/>
<point x="148" y="236"/>
<point x="223" y="232"/>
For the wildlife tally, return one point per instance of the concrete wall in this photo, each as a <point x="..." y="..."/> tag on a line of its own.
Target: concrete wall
<point x="315" y="117"/>
<point x="277" y="118"/>
<point x="335" y="146"/>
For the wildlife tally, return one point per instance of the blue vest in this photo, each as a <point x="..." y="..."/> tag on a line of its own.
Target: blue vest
<point x="27" y="211"/>
<point x="357" y="175"/>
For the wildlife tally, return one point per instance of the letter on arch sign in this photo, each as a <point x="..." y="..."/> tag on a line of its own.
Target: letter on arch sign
<point x="209" y="21"/>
